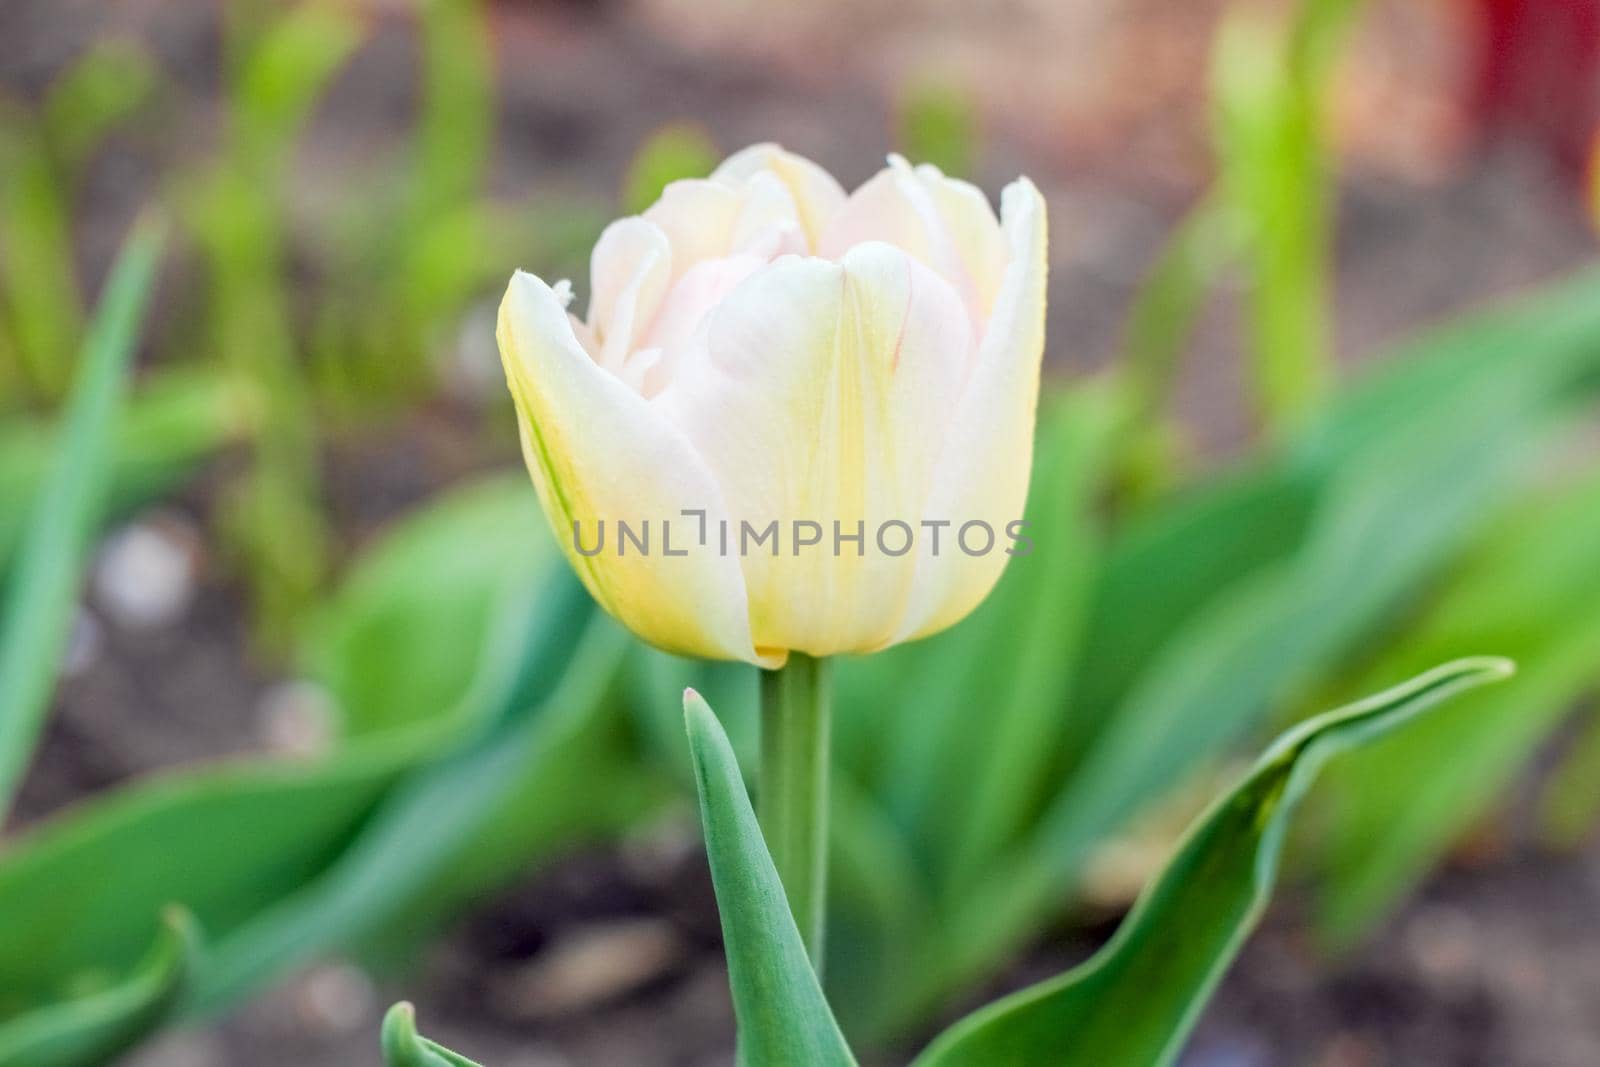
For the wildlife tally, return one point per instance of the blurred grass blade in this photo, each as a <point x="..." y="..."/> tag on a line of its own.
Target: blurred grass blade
<point x="37" y="613"/>
<point x="175" y="420"/>
<point x="95" y="1028"/>
<point x="111" y="81"/>
<point x="1270" y="85"/>
<point x="275" y="86"/>
<point x="782" y="1015"/>
<point x="404" y="1047"/>
<point x="1137" y="999"/>
<point x="455" y="132"/>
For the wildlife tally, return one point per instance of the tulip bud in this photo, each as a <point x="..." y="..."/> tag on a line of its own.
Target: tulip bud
<point x="794" y="419"/>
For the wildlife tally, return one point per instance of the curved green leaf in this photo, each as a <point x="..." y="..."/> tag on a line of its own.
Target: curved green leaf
<point x="1136" y="1000"/>
<point x="783" y="1017"/>
<point x="92" y="1029"/>
<point x="404" y="1047"/>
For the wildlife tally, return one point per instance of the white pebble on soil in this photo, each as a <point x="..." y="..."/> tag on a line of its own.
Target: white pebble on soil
<point x="337" y="997"/>
<point x="471" y="366"/>
<point x="146" y="573"/>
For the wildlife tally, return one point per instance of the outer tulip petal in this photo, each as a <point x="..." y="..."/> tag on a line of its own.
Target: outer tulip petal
<point x="597" y="451"/>
<point x="814" y="395"/>
<point x="983" y="470"/>
<point x="817" y="196"/>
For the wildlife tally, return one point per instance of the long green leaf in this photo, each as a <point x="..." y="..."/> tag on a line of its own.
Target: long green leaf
<point x="35" y="617"/>
<point x="91" y="1029"/>
<point x="783" y="1017"/>
<point x="239" y="837"/>
<point x="1134" y="1002"/>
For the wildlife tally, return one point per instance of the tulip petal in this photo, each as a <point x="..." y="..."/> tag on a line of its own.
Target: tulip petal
<point x="698" y="217"/>
<point x="689" y="301"/>
<point x="817" y="196"/>
<point x="983" y="470"/>
<point x="597" y="450"/>
<point x="706" y="220"/>
<point x="813" y="393"/>
<point x="630" y="271"/>
<point x="946" y="223"/>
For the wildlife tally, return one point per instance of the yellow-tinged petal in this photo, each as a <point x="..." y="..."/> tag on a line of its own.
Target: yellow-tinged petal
<point x="597" y="450"/>
<point x="818" y="393"/>
<point x="988" y="449"/>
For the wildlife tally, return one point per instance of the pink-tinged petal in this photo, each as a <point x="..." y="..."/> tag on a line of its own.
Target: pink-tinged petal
<point x="691" y="298"/>
<point x="945" y="223"/>
<point x="983" y="470"/>
<point x="598" y="451"/>
<point x="769" y="220"/>
<point x="817" y="391"/>
<point x="698" y="217"/>
<point x="630" y="271"/>
<point x="817" y="196"/>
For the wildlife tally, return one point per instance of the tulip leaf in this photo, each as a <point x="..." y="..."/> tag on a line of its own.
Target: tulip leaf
<point x="1532" y="590"/>
<point x="417" y="599"/>
<point x="93" y="1028"/>
<point x="37" y="611"/>
<point x="535" y="766"/>
<point x="404" y="1047"/>
<point x="443" y="825"/>
<point x="782" y="1015"/>
<point x="1136" y="1000"/>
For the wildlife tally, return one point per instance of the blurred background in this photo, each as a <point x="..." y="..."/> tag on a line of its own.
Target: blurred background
<point x="349" y="184"/>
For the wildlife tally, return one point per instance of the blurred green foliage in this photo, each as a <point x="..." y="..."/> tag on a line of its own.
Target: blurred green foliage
<point x="490" y="718"/>
<point x="1270" y="81"/>
<point x="677" y="150"/>
<point x="937" y="123"/>
<point x="44" y="154"/>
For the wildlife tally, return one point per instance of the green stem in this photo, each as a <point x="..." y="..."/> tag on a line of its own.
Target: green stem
<point x="793" y="808"/>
